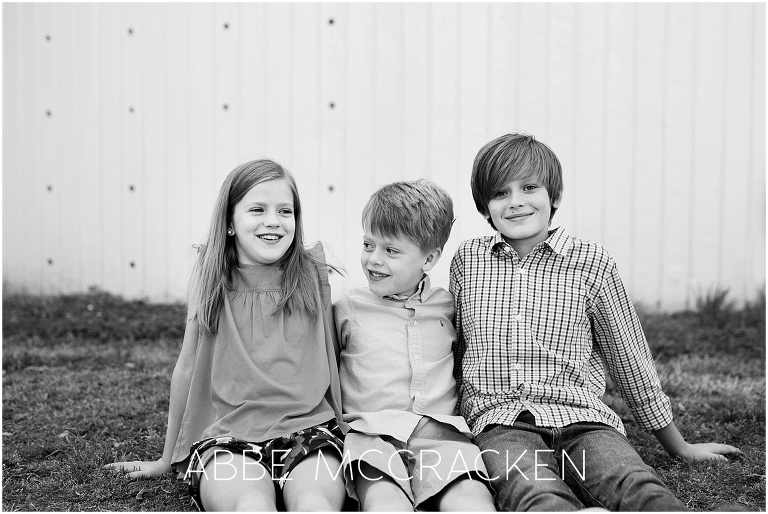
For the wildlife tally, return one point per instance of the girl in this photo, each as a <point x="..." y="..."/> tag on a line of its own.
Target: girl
<point x="255" y="402"/>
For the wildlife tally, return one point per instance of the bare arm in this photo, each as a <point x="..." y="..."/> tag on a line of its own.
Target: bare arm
<point x="180" y="383"/>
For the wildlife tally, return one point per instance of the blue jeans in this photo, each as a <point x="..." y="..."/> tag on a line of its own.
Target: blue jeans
<point x="569" y="468"/>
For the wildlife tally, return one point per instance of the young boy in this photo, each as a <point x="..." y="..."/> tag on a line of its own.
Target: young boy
<point x="406" y="446"/>
<point x="539" y="314"/>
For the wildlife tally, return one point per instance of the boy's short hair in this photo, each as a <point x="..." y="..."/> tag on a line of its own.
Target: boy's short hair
<point x="420" y="210"/>
<point x="512" y="157"/>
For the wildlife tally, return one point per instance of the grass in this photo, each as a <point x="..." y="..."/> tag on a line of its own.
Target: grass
<point x="86" y="379"/>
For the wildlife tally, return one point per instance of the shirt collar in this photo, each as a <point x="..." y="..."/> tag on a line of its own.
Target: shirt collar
<point x="423" y="291"/>
<point x="558" y="241"/>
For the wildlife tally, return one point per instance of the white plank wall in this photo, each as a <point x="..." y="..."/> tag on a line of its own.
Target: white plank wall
<point x="120" y="122"/>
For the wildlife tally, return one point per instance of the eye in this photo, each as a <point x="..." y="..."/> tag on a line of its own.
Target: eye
<point x="367" y="246"/>
<point x="286" y="212"/>
<point x="393" y="251"/>
<point x="255" y="209"/>
<point x="530" y="187"/>
<point x="500" y="194"/>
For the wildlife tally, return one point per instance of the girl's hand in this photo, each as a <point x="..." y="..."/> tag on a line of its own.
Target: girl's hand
<point x="141" y="469"/>
<point x="707" y="451"/>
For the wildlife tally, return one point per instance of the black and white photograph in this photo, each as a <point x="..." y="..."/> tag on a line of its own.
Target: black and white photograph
<point x="388" y="256"/>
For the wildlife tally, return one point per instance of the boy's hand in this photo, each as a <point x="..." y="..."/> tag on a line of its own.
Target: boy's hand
<point x="141" y="469"/>
<point x="673" y="442"/>
<point x="707" y="451"/>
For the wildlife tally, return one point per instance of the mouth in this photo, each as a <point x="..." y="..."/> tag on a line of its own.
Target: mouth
<point x="519" y="217"/>
<point x="270" y="238"/>
<point x="375" y="275"/>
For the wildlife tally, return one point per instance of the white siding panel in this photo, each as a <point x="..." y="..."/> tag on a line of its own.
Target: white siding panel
<point x="46" y="83"/>
<point x="678" y="153"/>
<point x="474" y="69"/>
<point x="225" y="28"/>
<point x="252" y="38"/>
<point x="756" y="213"/>
<point x="387" y="93"/>
<point x="176" y="126"/>
<point x="416" y="89"/>
<point x="531" y="79"/>
<point x="708" y="119"/>
<point x="88" y="213"/>
<point x="305" y="108"/>
<point x="333" y="45"/>
<point x="154" y="195"/>
<point x="132" y="185"/>
<point x="359" y="152"/>
<point x="116" y="142"/>
<point x="446" y="159"/>
<point x="66" y="126"/>
<point x="31" y="218"/>
<point x="647" y="222"/>
<point x="589" y="136"/>
<point x="735" y="155"/>
<point x="444" y="79"/>
<point x="204" y="179"/>
<point x="278" y="78"/>
<point x="13" y="136"/>
<point x="561" y="109"/>
<point x="502" y="69"/>
<point x="619" y="147"/>
<point x="111" y="33"/>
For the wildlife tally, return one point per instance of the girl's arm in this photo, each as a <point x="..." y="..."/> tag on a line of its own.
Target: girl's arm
<point x="672" y="441"/>
<point x="180" y="383"/>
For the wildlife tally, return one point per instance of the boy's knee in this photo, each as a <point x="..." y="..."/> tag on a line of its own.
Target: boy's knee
<point x="523" y="495"/>
<point x="466" y="495"/>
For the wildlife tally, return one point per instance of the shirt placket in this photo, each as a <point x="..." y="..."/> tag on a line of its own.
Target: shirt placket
<point x="416" y="358"/>
<point x="518" y="321"/>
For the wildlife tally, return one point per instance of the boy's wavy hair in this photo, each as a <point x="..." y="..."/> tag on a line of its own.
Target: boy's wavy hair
<point x="419" y="210"/>
<point x="512" y="157"/>
<point x="217" y="257"/>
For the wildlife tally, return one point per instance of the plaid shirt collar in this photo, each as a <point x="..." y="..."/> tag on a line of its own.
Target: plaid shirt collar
<point x="422" y="294"/>
<point x="558" y="241"/>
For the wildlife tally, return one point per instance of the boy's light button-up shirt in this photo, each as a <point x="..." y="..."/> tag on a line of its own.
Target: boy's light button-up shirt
<point x="396" y="361"/>
<point x="538" y="333"/>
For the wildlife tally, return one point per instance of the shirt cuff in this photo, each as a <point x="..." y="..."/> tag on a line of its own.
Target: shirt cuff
<point x="655" y="414"/>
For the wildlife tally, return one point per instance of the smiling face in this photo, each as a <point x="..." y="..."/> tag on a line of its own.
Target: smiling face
<point x="263" y="223"/>
<point x="520" y="210"/>
<point x="394" y="265"/>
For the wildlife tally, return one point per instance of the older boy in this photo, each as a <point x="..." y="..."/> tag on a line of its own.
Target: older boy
<point x="407" y="447"/>
<point x="538" y="315"/>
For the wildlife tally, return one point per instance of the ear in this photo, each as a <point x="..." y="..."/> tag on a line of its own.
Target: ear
<point x="556" y="203"/>
<point x="431" y="259"/>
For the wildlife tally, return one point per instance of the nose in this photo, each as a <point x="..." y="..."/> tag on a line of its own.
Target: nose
<point x="375" y="257"/>
<point x="516" y="199"/>
<point x="271" y="219"/>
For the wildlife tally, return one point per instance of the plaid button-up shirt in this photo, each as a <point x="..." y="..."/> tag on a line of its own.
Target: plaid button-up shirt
<point x="538" y="333"/>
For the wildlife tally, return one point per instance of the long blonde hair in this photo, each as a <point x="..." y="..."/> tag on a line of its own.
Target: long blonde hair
<point x="217" y="257"/>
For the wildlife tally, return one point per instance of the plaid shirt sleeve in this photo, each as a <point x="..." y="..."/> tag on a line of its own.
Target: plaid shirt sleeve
<point x="620" y="340"/>
<point x="454" y="286"/>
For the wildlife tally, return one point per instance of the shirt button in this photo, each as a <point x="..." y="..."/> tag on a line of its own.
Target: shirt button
<point x="415" y="324"/>
<point x="518" y="366"/>
<point x="522" y="272"/>
<point x="415" y="357"/>
<point x="518" y="317"/>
